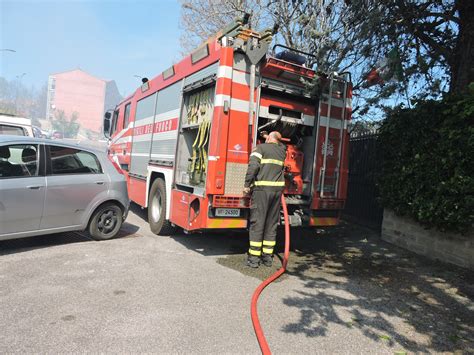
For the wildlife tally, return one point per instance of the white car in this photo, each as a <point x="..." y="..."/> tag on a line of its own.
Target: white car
<point x="15" y="126"/>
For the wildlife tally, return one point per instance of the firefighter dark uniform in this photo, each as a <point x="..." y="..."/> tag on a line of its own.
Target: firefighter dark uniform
<point x="265" y="177"/>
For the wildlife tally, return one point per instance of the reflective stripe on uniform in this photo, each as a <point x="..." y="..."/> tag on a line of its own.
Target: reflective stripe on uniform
<point x="272" y="161"/>
<point x="269" y="183"/>
<point x="267" y="250"/>
<point x="257" y="155"/>
<point x="269" y="243"/>
<point x="255" y="252"/>
<point x="255" y="244"/>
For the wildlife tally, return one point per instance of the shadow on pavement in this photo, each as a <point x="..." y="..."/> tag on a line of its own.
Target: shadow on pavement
<point x="356" y="280"/>
<point x="210" y="243"/>
<point x="15" y="246"/>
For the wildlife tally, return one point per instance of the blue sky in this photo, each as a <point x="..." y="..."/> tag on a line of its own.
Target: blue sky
<point x="110" y="39"/>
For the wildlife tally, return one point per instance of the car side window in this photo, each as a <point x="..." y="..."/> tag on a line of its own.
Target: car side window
<point x="65" y="160"/>
<point x="12" y="130"/>
<point x="18" y="160"/>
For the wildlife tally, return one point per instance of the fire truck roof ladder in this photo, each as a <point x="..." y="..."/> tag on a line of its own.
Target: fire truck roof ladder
<point x="334" y="79"/>
<point x="341" y="137"/>
<point x="326" y="137"/>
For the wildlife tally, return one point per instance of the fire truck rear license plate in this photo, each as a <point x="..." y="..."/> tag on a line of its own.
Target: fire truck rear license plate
<point x="227" y="212"/>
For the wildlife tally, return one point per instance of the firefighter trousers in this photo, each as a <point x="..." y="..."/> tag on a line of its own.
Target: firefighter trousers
<point x="264" y="216"/>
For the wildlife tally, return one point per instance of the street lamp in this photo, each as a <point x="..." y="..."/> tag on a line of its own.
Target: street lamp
<point x="7" y="50"/>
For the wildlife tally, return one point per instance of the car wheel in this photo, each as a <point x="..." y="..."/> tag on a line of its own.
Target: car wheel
<point x="106" y="222"/>
<point x="157" y="209"/>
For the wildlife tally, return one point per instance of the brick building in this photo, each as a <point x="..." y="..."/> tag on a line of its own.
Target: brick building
<point x="80" y="92"/>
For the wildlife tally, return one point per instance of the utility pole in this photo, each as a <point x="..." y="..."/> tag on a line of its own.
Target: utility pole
<point x="18" y="77"/>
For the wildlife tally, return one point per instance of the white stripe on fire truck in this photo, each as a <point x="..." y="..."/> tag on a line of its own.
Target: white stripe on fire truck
<point x="167" y="115"/>
<point x="334" y="102"/>
<point x="144" y="121"/>
<point x="235" y="104"/>
<point x="122" y="132"/>
<point x="224" y="71"/>
<point x="123" y="140"/>
<point x="333" y="123"/>
<point x="162" y="156"/>
<point x="349" y="102"/>
<point x="237" y="76"/>
<point x="159" y="136"/>
<point x="243" y="78"/>
<point x="160" y="117"/>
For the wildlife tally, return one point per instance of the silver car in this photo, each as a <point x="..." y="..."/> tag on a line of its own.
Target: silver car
<point x="49" y="187"/>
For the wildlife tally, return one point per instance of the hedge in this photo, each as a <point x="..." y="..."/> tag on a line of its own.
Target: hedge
<point x="427" y="162"/>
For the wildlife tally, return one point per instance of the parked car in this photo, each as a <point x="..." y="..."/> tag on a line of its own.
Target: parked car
<point x="49" y="187"/>
<point x="57" y="135"/>
<point x="15" y="126"/>
<point x="37" y="132"/>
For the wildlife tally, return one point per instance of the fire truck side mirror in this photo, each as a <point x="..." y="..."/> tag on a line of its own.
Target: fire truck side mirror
<point x="107" y="119"/>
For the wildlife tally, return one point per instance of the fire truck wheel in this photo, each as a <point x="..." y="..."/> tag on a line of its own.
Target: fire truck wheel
<point x="157" y="209"/>
<point x="106" y="222"/>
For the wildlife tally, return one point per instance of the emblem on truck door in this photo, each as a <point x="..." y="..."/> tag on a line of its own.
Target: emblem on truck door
<point x="330" y="148"/>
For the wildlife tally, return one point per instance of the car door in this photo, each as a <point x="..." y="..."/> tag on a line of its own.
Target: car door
<point x="74" y="179"/>
<point x="22" y="187"/>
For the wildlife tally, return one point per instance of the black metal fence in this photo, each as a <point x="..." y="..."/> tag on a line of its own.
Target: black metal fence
<point x="362" y="196"/>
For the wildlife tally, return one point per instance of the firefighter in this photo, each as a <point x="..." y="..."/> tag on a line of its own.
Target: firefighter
<point x="266" y="181"/>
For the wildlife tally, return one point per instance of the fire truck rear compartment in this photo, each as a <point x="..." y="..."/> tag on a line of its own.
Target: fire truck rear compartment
<point x="290" y="115"/>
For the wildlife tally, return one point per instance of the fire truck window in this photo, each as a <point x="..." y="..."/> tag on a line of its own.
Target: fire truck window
<point x="126" y="116"/>
<point x="114" y="121"/>
<point x="145" y="108"/>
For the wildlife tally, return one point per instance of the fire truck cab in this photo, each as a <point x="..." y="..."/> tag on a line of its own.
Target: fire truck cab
<point x="183" y="139"/>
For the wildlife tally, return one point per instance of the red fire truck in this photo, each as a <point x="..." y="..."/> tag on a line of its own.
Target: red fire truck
<point x="183" y="139"/>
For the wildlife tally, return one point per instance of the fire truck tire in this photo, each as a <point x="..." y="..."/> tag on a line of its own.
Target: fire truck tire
<point x="157" y="209"/>
<point x="106" y="222"/>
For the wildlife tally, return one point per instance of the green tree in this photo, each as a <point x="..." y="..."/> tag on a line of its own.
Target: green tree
<point x="19" y="100"/>
<point x="200" y="19"/>
<point x="68" y="127"/>
<point x="433" y="40"/>
<point x="434" y="37"/>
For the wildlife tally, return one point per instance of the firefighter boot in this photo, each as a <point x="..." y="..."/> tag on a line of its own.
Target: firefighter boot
<point x="267" y="260"/>
<point x="253" y="261"/>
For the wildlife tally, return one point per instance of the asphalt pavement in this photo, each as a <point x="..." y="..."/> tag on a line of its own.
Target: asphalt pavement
<point x="346" y="292"/>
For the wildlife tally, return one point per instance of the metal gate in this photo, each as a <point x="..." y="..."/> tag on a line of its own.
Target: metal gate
<point x="362" y="205"/>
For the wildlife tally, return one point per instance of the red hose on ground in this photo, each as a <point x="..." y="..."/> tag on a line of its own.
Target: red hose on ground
<point x="262" y="341"/>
